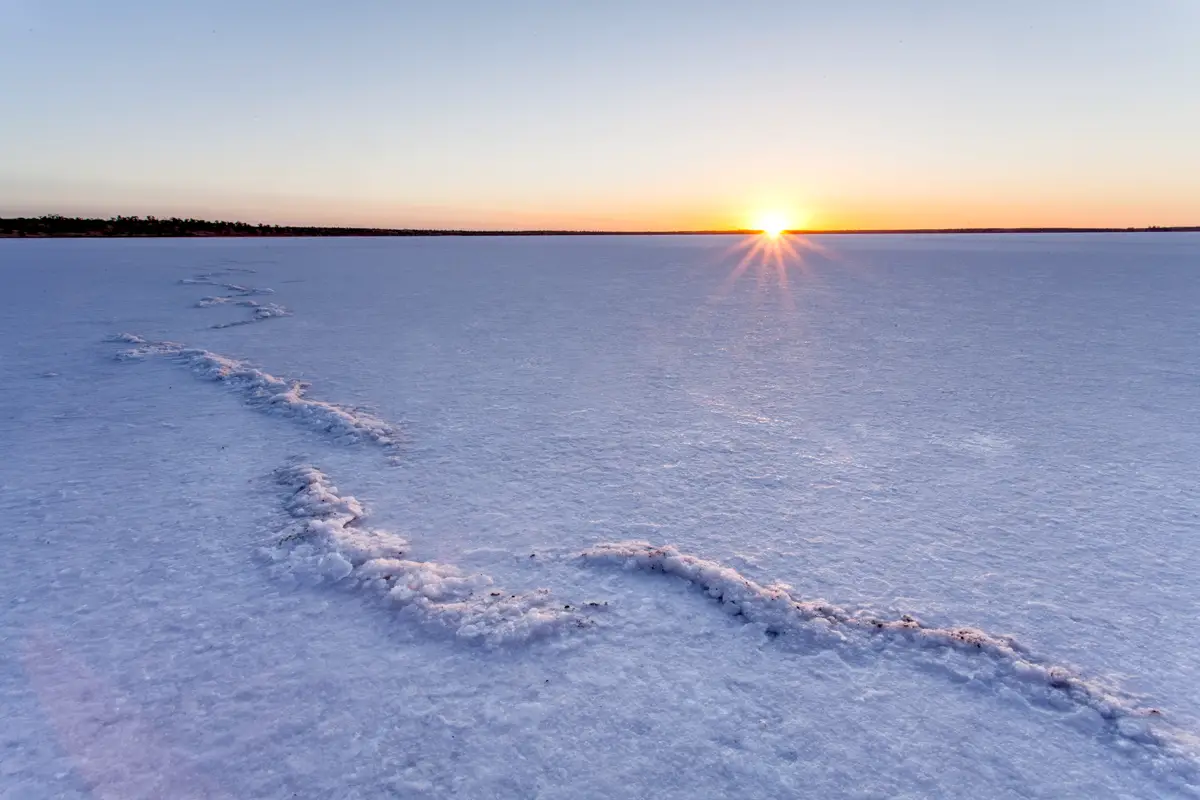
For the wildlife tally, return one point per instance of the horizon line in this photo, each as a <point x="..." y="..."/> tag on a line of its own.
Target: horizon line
<point x="59" y="226"/>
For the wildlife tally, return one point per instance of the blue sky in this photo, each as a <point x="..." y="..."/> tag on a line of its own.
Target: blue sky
<point x="604" y="114"/>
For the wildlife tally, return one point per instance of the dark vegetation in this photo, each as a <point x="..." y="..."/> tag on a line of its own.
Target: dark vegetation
<point x="54" y="225"/>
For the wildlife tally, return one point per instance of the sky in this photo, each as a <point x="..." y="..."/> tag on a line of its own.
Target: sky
<point x="604" y="115"/>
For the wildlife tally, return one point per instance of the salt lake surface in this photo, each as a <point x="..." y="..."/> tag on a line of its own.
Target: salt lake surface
<point x="920" y="520"/>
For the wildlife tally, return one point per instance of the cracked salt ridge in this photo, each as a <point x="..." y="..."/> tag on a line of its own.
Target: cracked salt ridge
<point x="1055" y="686"/>
<point x="330" y="540"/>
<point x="259" y="310"/>
<point x="269" y="393"/>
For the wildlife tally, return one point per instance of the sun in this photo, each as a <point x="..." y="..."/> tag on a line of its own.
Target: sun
<point x="773" y="225"/>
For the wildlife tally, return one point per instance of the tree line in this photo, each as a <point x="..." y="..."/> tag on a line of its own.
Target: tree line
<point x="58" y="225"/>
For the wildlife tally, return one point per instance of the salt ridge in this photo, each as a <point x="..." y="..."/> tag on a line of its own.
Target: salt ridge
<point x="780" y="613"/>
<point x="330" y="540"/>
<point x="240" y="297"/>
<point x="269" y="393"/>
<point x="259" y="311"/>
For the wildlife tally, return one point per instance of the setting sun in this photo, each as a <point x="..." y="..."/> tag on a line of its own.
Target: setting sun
<point x="773" y="225"/>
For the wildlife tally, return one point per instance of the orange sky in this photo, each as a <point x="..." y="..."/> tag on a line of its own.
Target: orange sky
<point x="671" y="115"/>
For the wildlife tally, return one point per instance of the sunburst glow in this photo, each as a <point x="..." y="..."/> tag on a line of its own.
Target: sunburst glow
<point x="773" y="225"/>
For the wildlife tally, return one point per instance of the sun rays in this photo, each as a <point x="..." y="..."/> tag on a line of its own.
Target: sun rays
<point x="771" y="253"/>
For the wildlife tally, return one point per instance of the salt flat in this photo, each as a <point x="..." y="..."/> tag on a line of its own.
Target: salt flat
<point x="600" y="517"/>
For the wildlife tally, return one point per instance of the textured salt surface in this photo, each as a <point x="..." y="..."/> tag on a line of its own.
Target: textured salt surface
<point x="552" y="408"/>
<point x="330" y="542"/>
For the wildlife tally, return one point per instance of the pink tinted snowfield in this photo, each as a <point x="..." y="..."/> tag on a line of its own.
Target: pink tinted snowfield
<point x="601" y="517"/>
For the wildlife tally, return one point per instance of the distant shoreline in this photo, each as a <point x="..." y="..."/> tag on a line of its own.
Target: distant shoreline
<point x="58" y="227"/>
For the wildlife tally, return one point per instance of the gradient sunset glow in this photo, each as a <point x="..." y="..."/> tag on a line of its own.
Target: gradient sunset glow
<point x="616" y="116"/>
